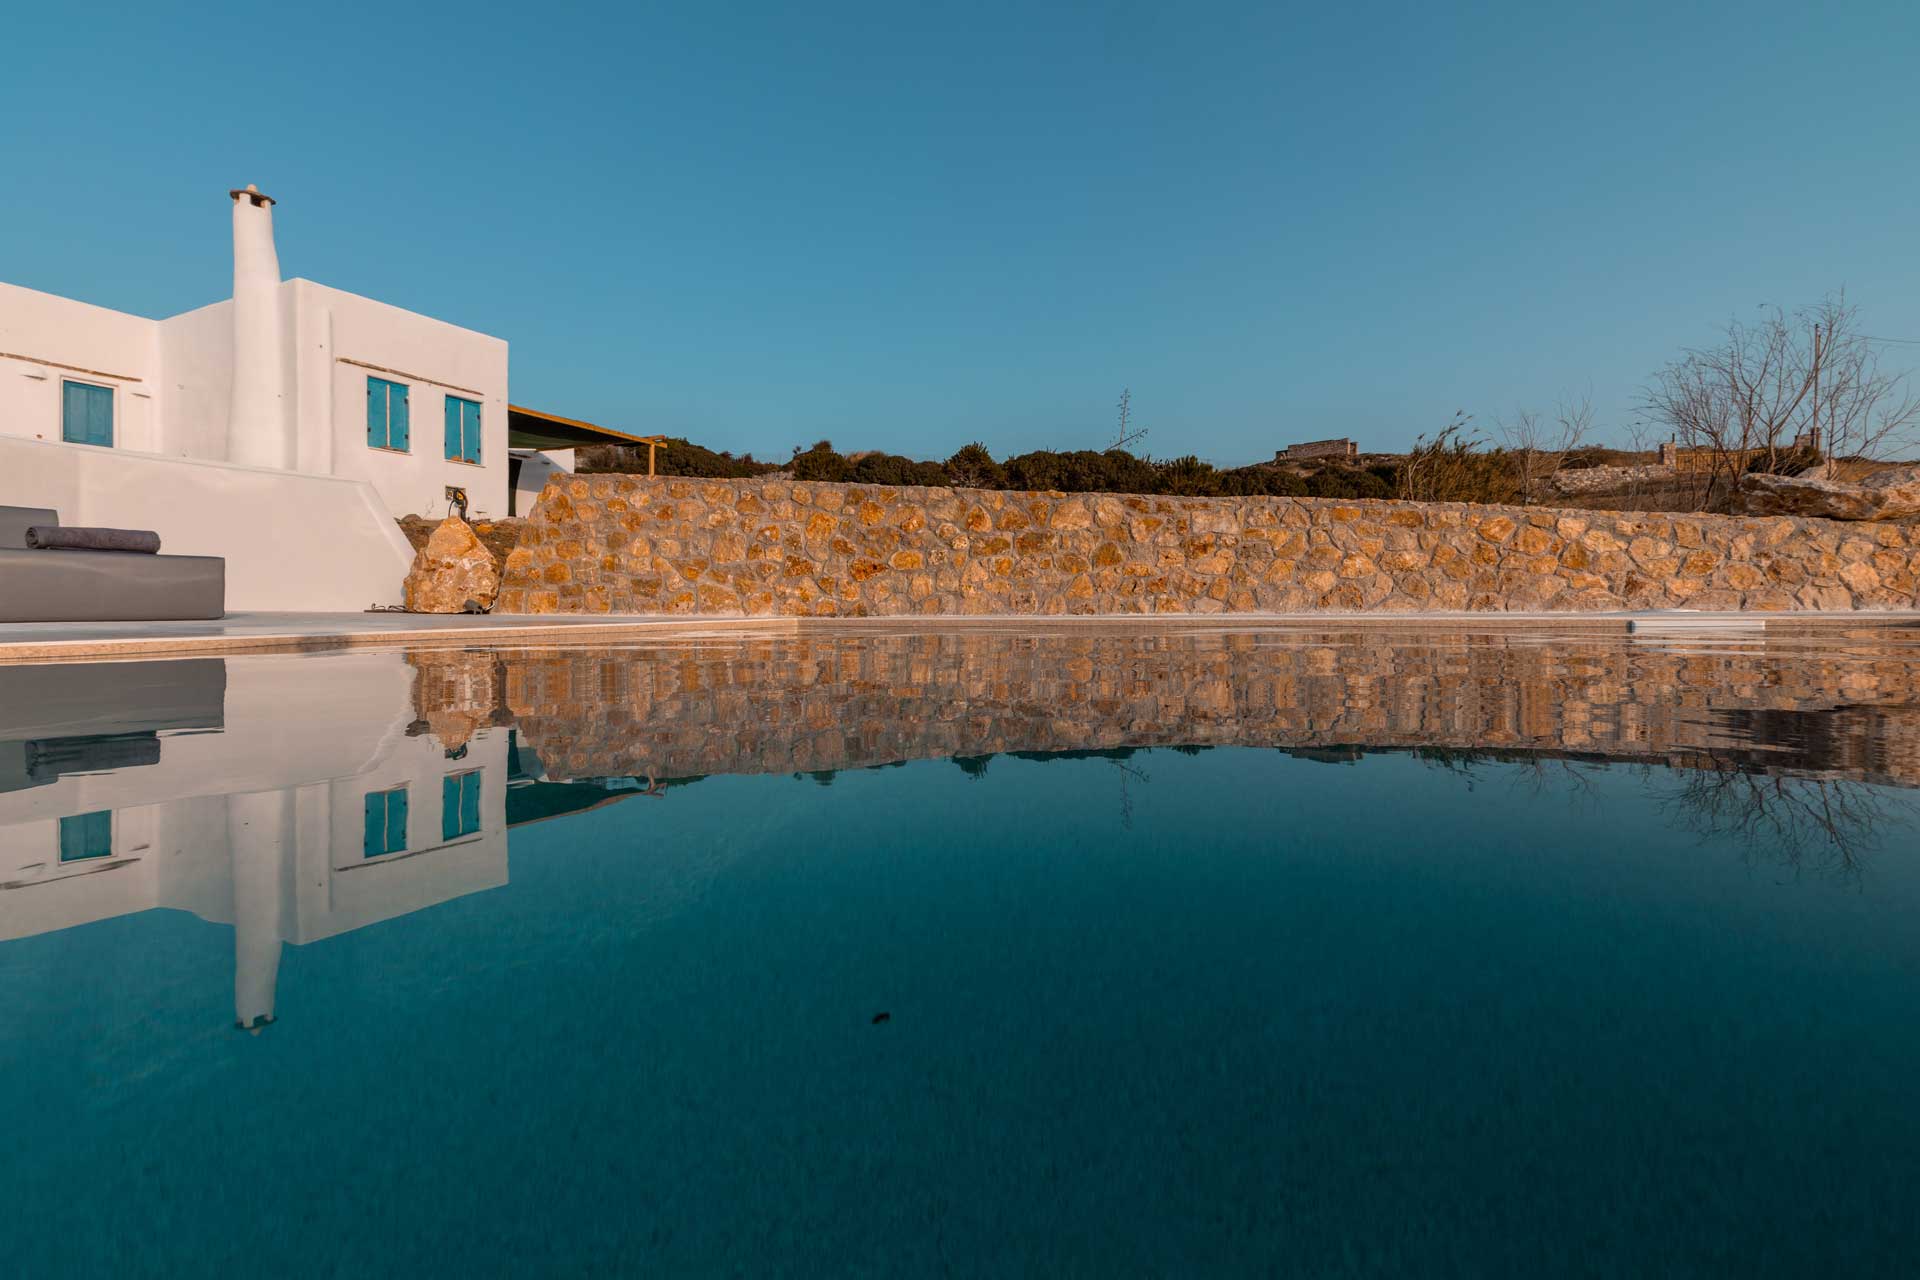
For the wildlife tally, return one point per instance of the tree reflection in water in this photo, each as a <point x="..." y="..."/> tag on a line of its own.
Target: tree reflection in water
<point x="1818" y="824"/>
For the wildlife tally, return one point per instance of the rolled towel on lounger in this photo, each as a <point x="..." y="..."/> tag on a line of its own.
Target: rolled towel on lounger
<point x="57" y="537"/>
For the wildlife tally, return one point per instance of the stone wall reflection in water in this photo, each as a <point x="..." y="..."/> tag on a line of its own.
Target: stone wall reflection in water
<point x="1821" y="703"/>
<point x="299" y="798"/>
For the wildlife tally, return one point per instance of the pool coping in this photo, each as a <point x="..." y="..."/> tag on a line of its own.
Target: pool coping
<point x="265" y="633"/>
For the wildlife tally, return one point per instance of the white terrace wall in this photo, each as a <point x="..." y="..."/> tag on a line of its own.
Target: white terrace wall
<point x="291" y="542"/>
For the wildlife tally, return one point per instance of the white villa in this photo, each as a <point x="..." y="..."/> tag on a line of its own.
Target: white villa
<point x="409" y="404"/>
<point x="282" y="428"/>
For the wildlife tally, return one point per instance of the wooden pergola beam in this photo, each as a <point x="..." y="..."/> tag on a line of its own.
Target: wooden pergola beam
<point x="652" y="443"/>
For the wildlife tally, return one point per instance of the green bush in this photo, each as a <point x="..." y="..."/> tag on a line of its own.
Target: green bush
<point x="673" y="458"/>
<point x="973" y="467"/>
<point x="820" y="463"/>
<point x="1452" y="467"/>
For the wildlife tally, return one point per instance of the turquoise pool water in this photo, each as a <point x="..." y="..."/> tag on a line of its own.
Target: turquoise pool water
<point x="1199" y="953"/>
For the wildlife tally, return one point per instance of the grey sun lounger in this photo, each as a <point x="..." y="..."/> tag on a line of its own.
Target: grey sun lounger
<point x="71" y="717"/>
<point x="61" y="585"/>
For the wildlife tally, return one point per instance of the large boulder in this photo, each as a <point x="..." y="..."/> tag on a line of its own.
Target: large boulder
<point x="1893" y="494"/>
<point x="453" y="573"/>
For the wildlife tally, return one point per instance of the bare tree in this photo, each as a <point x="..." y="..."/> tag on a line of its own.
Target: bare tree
<point x="1858" y="409"/>
<point x="1829" y="823"/>
<point x="1639" y="494"/>
<point x="1775" y="393"/>
<point x="1539" y="446"/>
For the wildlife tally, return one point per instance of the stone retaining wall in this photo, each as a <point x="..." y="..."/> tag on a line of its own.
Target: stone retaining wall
<point x="632" y="544"/>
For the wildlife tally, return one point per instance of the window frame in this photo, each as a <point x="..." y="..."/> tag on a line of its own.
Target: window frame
<point x="459" y="788"/>
<point x="87" y="832"/>
<point x="450" y="426"/>
<point x="112" y="398"/>
<point x="388" y="820"/>
<point x="406" y="415"/>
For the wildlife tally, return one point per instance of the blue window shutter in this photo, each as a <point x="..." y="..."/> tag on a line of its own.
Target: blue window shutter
<point x="86" y="835"/>
<point x="396" y="820"/>
<point x="374" y="843"/>
<point x="73" y="413"/>
<point x="463" y="429"/>
<point x="386" y="822"/>
<point x="386" y="414"/>
<point x="459" y="805"/>
<point x="100" y="416"/>
<point x="397" y="418"/>
<point x="86" y="413"/>
<point x="449" y="808"/>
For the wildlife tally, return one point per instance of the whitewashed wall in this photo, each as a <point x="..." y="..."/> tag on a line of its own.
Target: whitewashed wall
<point x="435" y="360"/>
<point x="40" y="331"/>
<point x="172" y="379"/>
<point x="292" y="542"/>
<point x="196" y="362"/>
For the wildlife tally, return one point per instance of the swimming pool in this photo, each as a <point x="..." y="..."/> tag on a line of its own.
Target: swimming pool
<point x="990" y="950"/>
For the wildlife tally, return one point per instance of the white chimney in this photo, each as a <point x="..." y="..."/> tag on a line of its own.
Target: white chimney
<point x="257" y="431"/>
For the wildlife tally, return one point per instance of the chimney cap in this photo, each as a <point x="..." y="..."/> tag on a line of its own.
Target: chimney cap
<point x="252" y="193"/>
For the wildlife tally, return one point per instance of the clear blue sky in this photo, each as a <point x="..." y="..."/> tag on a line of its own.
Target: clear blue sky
<point x="905" y="228"/>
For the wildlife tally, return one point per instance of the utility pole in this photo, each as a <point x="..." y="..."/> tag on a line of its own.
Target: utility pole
<point x="1813" y="426"/>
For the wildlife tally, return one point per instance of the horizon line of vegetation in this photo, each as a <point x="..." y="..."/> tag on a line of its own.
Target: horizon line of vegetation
<point x="1784" y="395"/>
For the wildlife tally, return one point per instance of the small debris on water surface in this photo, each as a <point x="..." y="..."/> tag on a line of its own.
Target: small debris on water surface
<point x="879" y="1018"/>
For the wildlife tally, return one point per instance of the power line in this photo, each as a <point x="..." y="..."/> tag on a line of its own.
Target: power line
<point x="1905" y="342"/>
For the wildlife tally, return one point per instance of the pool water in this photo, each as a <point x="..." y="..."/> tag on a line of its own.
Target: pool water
<point x="987" y="951"/>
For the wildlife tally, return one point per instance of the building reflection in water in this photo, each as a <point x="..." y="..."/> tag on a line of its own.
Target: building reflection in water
<point x="299" y="798"/>
<point x="285" y="797"/>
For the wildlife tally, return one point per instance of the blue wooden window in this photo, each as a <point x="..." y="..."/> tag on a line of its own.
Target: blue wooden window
<point x="86" y="413"/>
<point x="463" y="430"/>
<point x="386" y="822"/>
<point x="86" y="835"/>
<point x="459" y="805"/>
<point x="386" y="415"/>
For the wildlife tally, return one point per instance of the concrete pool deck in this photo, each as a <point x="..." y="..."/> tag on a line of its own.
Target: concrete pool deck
<point x="319" y="632"/>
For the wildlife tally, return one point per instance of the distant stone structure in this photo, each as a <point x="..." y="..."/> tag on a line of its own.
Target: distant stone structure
<point x="1701" y="460"/>
<point x="1341" y="448"/>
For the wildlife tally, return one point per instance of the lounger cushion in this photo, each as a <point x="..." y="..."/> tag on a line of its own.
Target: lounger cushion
<point x="109" y="586"/>
<point x="15" y="521"/>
